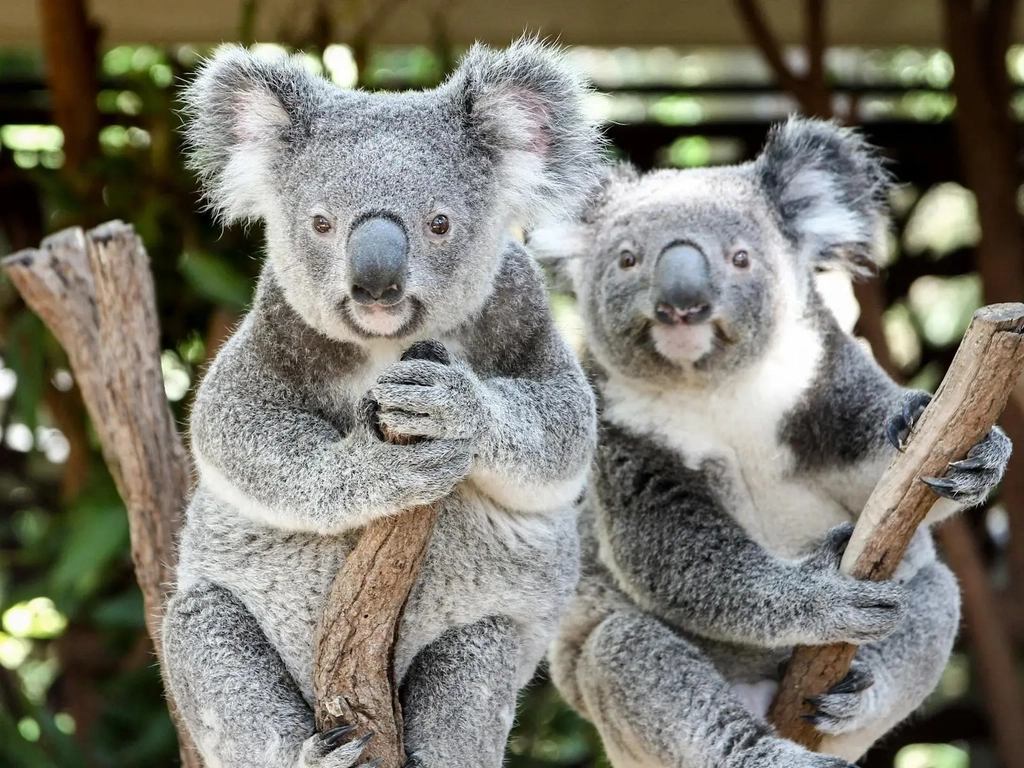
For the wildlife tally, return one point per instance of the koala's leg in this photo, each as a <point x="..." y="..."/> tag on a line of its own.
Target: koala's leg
<point x="234" y="693"/>
<point x="459" y="696"/>
<point x="658" y="702"/>
<point x="891" y="679"/>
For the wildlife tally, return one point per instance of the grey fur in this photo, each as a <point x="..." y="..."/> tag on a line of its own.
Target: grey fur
<point x="734" y="454"/>
<point x="285" y="424"/>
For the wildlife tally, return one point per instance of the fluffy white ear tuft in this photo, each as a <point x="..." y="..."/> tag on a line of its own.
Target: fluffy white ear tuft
<point x="830" y="190"/>
<point x="242" y="115"/>
<point x="561" y="247"/>
<point x="525" y="107"/>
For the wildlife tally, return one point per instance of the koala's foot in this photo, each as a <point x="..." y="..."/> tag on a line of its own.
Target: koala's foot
<point x="970" y="481"/>
<point x="851" y="610"/>
<point x="330" y="750"/>
<point x="898" y="427"/>
<point x="847" y="706"/>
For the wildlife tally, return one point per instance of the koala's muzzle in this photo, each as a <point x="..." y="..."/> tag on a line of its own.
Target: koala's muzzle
<point x="378" y="252"/>
<point x="682" y="286"/>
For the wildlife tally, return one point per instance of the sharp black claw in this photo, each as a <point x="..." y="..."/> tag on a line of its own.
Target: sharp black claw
<point x="364" y="740"/>
<point x="892" y="431"/>
<point x="813" y="701"/>
<point x="854" y="682"/>
<point x="941" y="487"/>
<point x="812" y="719"/>
<point x="334" y="736"/>
<point x="968" y="464"/>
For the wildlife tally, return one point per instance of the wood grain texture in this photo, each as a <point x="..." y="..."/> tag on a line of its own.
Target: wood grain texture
<point x="969" y="400"/>
<point x="354" y="679"/>
<point x="94" y="291"/>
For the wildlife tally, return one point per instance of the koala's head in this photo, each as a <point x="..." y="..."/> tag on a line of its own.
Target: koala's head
<point x="689" y="273"/>
<point x="386" y="213"/>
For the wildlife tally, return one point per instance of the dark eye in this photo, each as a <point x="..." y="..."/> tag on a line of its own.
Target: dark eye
<point x="741" y="259"/>
<point x="627" y="259"/>
<point x="439" y="225"/>
<point x="321" y="224"/>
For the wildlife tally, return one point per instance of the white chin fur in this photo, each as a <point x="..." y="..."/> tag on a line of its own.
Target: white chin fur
<point x="381" y="322"/>
<point x="683" y="343"/>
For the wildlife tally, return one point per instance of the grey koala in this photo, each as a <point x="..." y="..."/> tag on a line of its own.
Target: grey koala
<point x="740" y="432"/>
<point x="393" y="295"/>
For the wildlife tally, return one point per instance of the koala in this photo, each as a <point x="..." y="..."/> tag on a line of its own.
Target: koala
<point x="740" y="433"/>
<point x="393" y="299"/>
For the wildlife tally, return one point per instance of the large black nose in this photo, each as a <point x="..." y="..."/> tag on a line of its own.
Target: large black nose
<point x="378" y="251"/>
<point x="682" y="286"/>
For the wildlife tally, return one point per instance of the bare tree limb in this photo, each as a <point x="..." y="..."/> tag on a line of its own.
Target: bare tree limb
<point x="968" y="402"/>
<point x="94" y="290"/>
<point x="763" y="37"/>
<point x="354" y="680"/>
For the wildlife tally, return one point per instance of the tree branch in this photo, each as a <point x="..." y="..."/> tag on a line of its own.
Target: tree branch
<point x="354" y="680"/>
<point x="764" y="39"/>
<point x="968" y="402"/>
<point x="94" y="290"/>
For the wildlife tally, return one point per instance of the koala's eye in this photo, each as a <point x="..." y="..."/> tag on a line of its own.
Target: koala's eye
<point x="321" y="224"/>
<point x="440" y="225"/>
<point x="627" y="259"/>
<point x="741" y="259"/>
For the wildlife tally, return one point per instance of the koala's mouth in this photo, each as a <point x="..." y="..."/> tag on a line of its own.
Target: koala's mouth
<point x="377" y="322"/>
<point x="691" y="344"/>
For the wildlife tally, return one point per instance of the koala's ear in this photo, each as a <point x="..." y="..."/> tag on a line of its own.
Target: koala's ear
<point x="242" y="114"/>
<point x="561" y="247"/>
<point x="525" y="107"/>
<point x="565" y="247"/>
<point x="830" y="189"/>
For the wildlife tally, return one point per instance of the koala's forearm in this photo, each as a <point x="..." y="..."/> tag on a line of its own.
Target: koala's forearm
<point x="714" y="582"/>
<point x="286" y="468"/>
<point x="535" y="452"/>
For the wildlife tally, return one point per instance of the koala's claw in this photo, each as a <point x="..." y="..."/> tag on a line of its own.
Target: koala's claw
<point x="847" y="705"/>
<point x="330" y="750"/>
<point x="333" y="737"/>
<point x="970" y="480"/>
<point x="898" y="426"/>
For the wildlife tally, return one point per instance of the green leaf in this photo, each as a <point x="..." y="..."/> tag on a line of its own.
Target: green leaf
<point x="99" y="535"/>
<point x="216" y="279"/>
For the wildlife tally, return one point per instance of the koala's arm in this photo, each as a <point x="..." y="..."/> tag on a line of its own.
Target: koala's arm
<point x="260" y="448"/>
<point x="848" y="429"/>
<point x="516" y="392"/>
<point x="666" y="534"/>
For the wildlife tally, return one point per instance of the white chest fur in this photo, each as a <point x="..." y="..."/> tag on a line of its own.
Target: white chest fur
<point x="737" y="425"/>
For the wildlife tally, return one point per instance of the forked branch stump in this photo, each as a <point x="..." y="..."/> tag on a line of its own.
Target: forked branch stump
<point x="94" y="291"/>
<point x="967" y="404"/>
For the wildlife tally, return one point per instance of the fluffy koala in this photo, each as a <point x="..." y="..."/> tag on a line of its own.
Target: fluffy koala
<point x="387" y="220"/>
<point x="740" y="433"/>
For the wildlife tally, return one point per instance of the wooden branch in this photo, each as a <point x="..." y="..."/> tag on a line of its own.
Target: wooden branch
<point x="764" y="39"/>
<point x="94" y="291"/>
<point x="968" y="402"/>
<point x="69" y="40"/>
<point x="354" y="679"/>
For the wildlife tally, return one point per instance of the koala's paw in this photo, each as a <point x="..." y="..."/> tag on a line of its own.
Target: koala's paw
<point x="428" y="397"/>
<point x="848" y="705"/>
<point x="850" y="610"/>
<point x="330" y="750"/>
<point x="898" y="426"/>
<point x="970" y="481"/>
<point x="428" y="471"/>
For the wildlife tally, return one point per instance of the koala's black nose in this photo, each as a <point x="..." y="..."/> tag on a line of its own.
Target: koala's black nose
<point x="378" y="251"/>
<point x="682" y="286"/>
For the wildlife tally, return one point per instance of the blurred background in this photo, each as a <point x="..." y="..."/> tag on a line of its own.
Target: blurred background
<point x="88" y="133"/>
